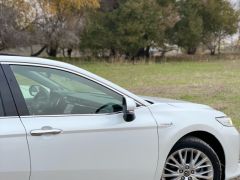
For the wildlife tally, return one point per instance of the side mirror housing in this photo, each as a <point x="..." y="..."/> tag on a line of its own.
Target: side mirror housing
<point x="129" y="106"/>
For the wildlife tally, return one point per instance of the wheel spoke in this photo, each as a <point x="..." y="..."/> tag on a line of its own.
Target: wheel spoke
<point x="201" y="162"/>
<point x="204" y="166"/>
<point x="178" y="178"/>
<point x="210" y="177"/>
<point x="192" y="154"/>
<point x="181" y="157"/>
<point x="185" y="156"/>
<point x="170" y="170"/>
<point x="175" y="161"/>
<point x="170" y="175"/>
<point x="173" y="165"/>
<point x="205" y="172"/>
<point x="194" y="178"/>
<point x="196" y="158"/>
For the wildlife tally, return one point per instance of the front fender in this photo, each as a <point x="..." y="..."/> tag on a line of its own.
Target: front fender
<point x="169" y="136"/>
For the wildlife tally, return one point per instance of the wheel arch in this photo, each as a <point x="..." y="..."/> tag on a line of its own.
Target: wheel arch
<point x="213" y="142"/>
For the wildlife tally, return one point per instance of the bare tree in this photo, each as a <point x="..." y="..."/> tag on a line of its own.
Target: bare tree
<point x="13" y="24"/>
<point x="58" y="23"/>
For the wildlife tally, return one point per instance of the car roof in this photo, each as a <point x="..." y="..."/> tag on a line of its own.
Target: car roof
<point x="41" y="61"/>
<point x="30" y="60"/>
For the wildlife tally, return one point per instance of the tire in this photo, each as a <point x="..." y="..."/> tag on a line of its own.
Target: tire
<point x="184" y="161"/>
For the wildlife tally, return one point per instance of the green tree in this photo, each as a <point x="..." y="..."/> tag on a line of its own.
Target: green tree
<point x="99" y="34"/>
<point x="130" y="29"/>
<point x="203" y="21"/>
<point x="220" y="19"/>
<point x="187" y="32"/>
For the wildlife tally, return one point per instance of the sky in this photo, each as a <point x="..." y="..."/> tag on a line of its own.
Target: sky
<point x="235" y="37"/>
<point x="235" y="2"/>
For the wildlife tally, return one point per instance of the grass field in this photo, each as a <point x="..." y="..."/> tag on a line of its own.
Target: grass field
<point x="215" y="83"/>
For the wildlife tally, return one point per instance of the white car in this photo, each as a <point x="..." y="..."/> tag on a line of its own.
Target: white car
<point x="59" y="122"/>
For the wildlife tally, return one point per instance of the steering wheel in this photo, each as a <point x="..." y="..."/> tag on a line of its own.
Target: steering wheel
<point x="57" y="103"/>
<point x="40" y="99"/>
<point x="106" y="107"/>
<point x="43" y="94"/>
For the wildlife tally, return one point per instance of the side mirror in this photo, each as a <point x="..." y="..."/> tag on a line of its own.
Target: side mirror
<point x="129" y="106"/>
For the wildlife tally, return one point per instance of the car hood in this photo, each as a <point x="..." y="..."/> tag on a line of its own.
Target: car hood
<point x="176" y="103"/>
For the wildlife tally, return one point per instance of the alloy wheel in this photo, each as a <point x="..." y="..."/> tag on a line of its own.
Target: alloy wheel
<point x="188" y="164"/>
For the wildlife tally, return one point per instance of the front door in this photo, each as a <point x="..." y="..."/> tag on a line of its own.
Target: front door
<point x="76" y="131"/>
<point x="14" y="153"/>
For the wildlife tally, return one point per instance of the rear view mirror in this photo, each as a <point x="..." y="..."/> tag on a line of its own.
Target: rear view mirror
<point x="129" y="106"/>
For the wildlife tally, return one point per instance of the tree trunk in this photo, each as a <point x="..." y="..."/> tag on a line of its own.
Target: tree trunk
<point x="69" y="52"/>
<point x="52" y="51"/>
<point x="147" y="52"/>
<point x="113" y="52"/>
<point x="127" y="55"/>
<point x="143" y="53"/>
<point x="39" y="52"/>
<point x="163" y="54"/>
<point x="63" y="52"/>
<point x="192" y="50"/>
<point x="219" y="45"/>
<point x="140" y="53"/>
<point x="212" y="52"/>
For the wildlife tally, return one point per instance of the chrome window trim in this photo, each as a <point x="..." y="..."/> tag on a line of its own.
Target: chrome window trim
<point x="9" y="117"/>
<point x="78" y="74"/>
<point x="72" y="115"/>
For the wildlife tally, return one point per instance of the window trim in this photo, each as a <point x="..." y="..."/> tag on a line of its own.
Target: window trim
<point x="15" y="90"/>
<point x="7" y="99"/>
<point x="21" y="104"/>
<point x="2" y="109"/>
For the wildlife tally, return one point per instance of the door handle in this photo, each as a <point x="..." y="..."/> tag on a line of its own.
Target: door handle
<point x="41" y="132"/>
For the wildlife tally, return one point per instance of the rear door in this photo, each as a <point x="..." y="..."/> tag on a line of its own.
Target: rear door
<point x="14" y="154"/>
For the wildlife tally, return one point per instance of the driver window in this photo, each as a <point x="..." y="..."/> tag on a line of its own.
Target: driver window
<point x="50" y="91"/>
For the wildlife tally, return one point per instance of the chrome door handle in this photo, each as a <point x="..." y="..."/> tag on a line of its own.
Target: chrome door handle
<point x="40" y="132"/>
